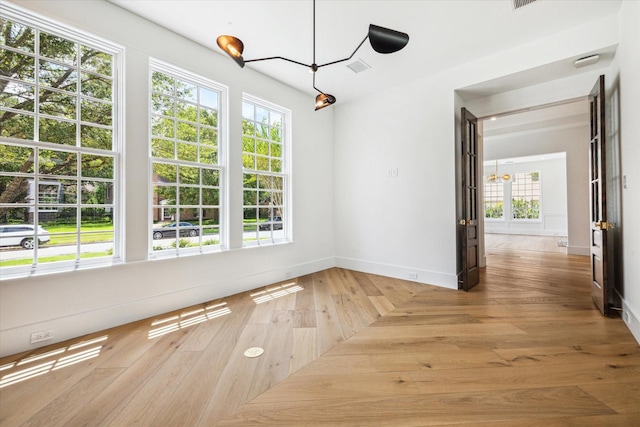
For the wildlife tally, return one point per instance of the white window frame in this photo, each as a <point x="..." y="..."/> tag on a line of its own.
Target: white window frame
<point x="273" y="237"/>
<point x="221" y="166"/>
<point x="15" y="13"/>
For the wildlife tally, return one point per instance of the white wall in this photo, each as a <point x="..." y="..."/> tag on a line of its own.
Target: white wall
<point x="76" y="303"/>
<point x="553" y="198"/>
<point x="624" y="75"/>
<point x="407" y="224"/>
<point x="574" y="141"/>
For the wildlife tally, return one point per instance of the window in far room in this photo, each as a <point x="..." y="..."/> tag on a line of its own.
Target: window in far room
<point x="525" y="195"/>
<point x="266" y="173"/>
<point x="187" y="171"/>
<point x="493" y="200"/>
<point x="60" y="150"/>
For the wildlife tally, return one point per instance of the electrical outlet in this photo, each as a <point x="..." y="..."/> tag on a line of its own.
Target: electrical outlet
<point x="41" y="336"/>
<point x="413" y="276"/>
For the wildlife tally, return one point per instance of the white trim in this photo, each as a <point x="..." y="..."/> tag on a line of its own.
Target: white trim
<point x="631" y="318"/>
<point x="426" y="277"/>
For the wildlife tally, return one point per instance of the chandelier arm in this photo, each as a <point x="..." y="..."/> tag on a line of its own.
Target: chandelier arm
<point x="314" y="84"/>
<point x="277" y="57"/>
<point x="346" y="59"/>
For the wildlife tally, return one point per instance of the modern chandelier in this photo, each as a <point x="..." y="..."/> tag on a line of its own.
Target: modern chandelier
<point x="497" y="178"/>
<point x="383" y="40"/>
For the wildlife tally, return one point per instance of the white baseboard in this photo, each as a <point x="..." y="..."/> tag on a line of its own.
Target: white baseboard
<point x="400" y="272"/>
<point x="631" y="319"/>
<point x="578" y="250"/>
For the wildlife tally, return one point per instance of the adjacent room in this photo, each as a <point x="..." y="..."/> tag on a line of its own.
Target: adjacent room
<point x="319" y="212"/>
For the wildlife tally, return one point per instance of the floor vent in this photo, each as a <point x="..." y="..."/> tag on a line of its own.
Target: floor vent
<point x="517" y="4"/>
<point x="358" y="66"/>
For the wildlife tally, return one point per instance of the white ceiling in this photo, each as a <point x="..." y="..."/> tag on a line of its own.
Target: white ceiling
<point x="443" y="34"/>
<point x="568" y="114"/>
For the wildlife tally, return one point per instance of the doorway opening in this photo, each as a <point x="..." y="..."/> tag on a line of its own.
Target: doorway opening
<point x="535" y="165"/>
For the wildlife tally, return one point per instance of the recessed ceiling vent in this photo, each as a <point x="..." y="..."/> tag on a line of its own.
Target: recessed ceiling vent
<point x="587" y="60"/>
<point x="517" y="4"/>
<point x="358" y="66"/>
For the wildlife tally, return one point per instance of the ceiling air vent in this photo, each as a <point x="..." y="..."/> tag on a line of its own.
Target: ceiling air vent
<point x="517" y="4"/>
<point x="358" y="66"/>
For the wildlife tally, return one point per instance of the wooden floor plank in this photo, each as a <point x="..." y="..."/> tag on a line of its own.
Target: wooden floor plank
<point x="526" y="347"/>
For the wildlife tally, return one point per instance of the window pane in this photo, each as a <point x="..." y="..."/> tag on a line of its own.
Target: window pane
<point x="189" y="175"/>
<point x="186" y="90"/>
<point x="94" y="166"/>
<point x="57" y="48"/>
<point x="68" y="191"/>
<point x="58" y="76"/>
<point x="96" y="193"/>
<point x="162" y="148"/>
<point x="22" y="66"/>
<point x="96" y="86"/>
<point x="188" y="152"/>
<point x="187" y="112"/>
<point x="209" y="98"/>
<point x="208" y="136"/>
<point x="95" y="137"/>
<point x="189" y="196"/>
<point x="208" y="117"/>
<point x="17" y="35"/>
<point x="57" y="131"/>
<point x="17" y="126"/>
<point x="60" y="163"/>
<point x="19" y="96"/>
<point x="208" y="156"/>
<point x="162" y="104"/>
<point x="162" y="127"/>
<point x="162" y="83"/>
<point x="16" y="159"/>
<point x="164" y="195"/>
<point x="187" y="132"/>
<point x="96" y="112"/>
<point x="96" y="61"/>
<point x="210" y="177"/>
<point x="164" y="172"/>
<point x="250" y="198"/>
<point x="210" y="196"/>
<point x="58" y="104"/>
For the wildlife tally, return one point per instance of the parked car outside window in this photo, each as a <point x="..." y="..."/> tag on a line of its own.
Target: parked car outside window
<point x="169" y="230"/>
<point x="275" y="222"/>
<point x="22" y="235"/>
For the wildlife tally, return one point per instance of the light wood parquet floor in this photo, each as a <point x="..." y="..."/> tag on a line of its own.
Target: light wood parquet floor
<point x="342" y="348"/>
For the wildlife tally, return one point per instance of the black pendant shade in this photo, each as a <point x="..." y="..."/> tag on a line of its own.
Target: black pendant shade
<point x="383" y="40"/>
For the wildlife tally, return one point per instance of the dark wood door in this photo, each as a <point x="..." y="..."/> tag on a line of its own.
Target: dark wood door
<point x="600" y="289"/>
<point x="467" y="194"/>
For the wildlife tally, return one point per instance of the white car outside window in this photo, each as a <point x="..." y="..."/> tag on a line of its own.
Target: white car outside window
<point x="22" y="235"/>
